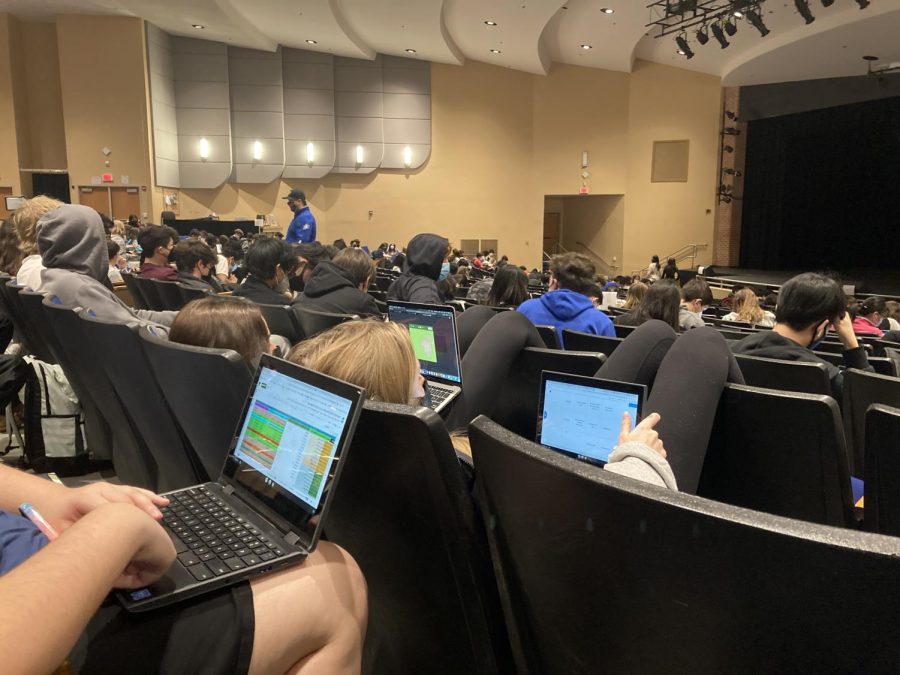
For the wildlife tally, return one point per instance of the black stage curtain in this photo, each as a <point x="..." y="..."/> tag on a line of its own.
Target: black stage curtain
<point x="821" y="189"/>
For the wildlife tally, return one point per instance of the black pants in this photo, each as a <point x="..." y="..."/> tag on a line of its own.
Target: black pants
<point x="687" y="376"/>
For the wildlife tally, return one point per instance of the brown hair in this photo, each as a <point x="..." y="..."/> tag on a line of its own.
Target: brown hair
<point x="10" y="249"/>
<point x="635" y="297"/>
<point x="357" y="262"/>
<point x="746" y="306"/>
<point x="372" y="354"/>
<point x="223" y="323"/>
<point x="573" y="271"/>
<point x="25" y="221"/>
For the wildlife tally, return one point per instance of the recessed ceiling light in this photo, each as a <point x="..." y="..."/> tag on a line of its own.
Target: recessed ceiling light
<point x="312" y="42"/>
<point x="490" y="23"/>
<point x="410" y="51"/>
<point x="586" y="47"/>
<point x="738" y="14"/>
<point x="607" y="10"/>
<point x="197" y="26"/>
<point x="495" y="51"/>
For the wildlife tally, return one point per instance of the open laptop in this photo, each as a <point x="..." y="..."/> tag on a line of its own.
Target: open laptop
<point x="267" y="509"/>
<point x="432" y="330"/>
<point x="582" y="416"/>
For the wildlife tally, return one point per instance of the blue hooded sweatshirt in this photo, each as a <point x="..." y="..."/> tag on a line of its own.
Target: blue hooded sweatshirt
<point x="567" y="309"/>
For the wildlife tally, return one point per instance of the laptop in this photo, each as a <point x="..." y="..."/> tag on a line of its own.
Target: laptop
<point x="582" y="416"/>
<point x="432" y="331"/>
<point x="266" y="511"/>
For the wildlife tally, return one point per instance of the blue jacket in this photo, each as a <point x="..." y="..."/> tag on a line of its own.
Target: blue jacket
<point x="567" y="309"/>
<point x="302" y="229"/>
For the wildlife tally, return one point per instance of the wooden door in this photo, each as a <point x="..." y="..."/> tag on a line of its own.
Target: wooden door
<point x="125" y="201"/>
<point x="551" y="232"/>
<point x="95" y="196"/>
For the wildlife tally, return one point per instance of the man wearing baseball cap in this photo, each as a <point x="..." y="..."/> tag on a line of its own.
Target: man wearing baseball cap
<point x="302" y="229"/>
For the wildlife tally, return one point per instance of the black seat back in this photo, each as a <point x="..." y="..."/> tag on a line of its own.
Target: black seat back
<point x="190" y="294"/>
<point x="169" y="294"/>
<point x="132" y="460"/>
<point x="883" y="365"/>
<point x="209" y="413"/>
<point x="587" y="342"/>
<point x="313" y="323"/>
<point x="519" y="395"/>
<point x="623" y="331"/>
<point x="283" y="321"/>
<point x="862" y="389"/>
<point x="117" y="349"/>
<point x="148" y="289"/>
<point x="882" y="474"/>
<point x="808" y="377"/>
<point x="136" y="291"/>
<point x="780" y="452"/>
<point x="549" y="336"/>
<point x="590" y="560"/>
<point x="403" y="511"/>
<point x="27" y="318"/>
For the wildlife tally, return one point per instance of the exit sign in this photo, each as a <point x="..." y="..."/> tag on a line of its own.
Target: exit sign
<point x="107" y="178"/>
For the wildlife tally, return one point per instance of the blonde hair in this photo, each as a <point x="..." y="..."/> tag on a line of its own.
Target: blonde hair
<point x="26" y="218"/>
<point x="372" y="354"/>
<point x="118" y="228"/>
<point x="635" y="297"/>
<point x="746" y="306"/>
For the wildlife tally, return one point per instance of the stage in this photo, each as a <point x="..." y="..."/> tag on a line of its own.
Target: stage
<point x="866" y="282"/>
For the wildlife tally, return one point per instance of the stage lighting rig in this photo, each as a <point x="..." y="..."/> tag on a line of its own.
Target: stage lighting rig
<point x="683" y="47"/>
<point x="677" y="16"/>
<point x="862" y="3"/>
<point x="803" y="8"/>
<point x="719" y="35"/>
<point x="730" y="28"/>
<point x="755" y="19"/>
<point x="703" y="35"/>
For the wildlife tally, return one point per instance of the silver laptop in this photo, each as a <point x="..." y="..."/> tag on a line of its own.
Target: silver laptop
<point x="268" y="507"/>
<point x="432" y="330"/>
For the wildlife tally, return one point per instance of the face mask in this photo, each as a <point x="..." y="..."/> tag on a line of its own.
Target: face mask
<point x="817" y="341"/>
<point x="294" y="207"/>
<point x="445" y="271"/>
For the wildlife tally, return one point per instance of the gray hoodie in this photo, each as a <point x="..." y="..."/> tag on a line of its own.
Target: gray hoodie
<point x="72" y="245"/>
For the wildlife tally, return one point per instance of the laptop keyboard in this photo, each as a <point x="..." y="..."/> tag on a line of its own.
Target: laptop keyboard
<point x="437" y="394"/>
<point x="210" y="538"/>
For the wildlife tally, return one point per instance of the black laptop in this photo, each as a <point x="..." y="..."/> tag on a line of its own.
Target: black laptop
<point x="432" y="331"/>
<point x="582" y="416"/>
<point x="268" y="507"/>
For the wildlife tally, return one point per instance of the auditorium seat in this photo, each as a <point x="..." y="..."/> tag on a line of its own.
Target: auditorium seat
<point x="781" y="452"/>
<point x="190" y="294"/>
<point x="117" y="350"/>
<point x="549" y="336"/>
<point x="137" y="294"/>
<point x="283" y="321"/>
<point x="623" y="331"/>
<point x="313" y="322"/>
<point x="404" y="512"/>
<point x="31" y="339"/>
<point x="808" y="377"/>
<point x="602" y="573"/>
<point x="133" y="462"/>
<point x="383" y="282"/>
<point x="148" y="289"/>
<point x="588" y="342"/>
<point x="883" y="365"/>
<point x="882" y="472"/>
<point x="207" y="417"/>
<point x="862" y="389"/>
<point x="169" y="294"/>
<point x="519" y="395"/>
<point x="460" y="304"/>
<point x="740" y="325"/>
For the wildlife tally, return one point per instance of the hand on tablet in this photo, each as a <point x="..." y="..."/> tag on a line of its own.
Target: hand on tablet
<point x="642" y="433"/>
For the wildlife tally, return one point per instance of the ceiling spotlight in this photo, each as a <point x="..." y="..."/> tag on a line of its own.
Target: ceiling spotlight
<point x="737" y="14"/>
<point x="862" y="3"/>
<point x="586" y="47"/>
<point x="730" y="28"/>
<point x="410" y="51"/>
<point x="731" y="131"/>
<point x="803" y="7"/>
<point x="607" y="10"/>
<point x="312" y="42"/>
<point x="719" y="35"/>
<point x="702" y="36"/>
<point x="197" y="26"/>
<point x="730" y="115"/>
<point x="490" y="23"/>
<point x="756" y="21"/>
<point x="495" y="51"/>
<point x="683" y="47"/>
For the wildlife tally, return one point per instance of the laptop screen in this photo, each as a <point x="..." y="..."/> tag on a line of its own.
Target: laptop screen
<point x="432" y="331"/>
<point x="582" y="416"/>
<point x="290" y="440"/>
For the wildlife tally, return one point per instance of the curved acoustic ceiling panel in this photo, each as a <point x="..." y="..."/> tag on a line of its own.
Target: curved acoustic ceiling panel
<point x="309" y="140"/>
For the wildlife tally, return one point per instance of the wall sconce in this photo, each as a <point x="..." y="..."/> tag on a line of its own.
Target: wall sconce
<point x="407" y="156"/>
<point x="310" y="154"/>
<point x="359" y="156"/>
<point x="204" y="148"/>
<point x="257" y="150"/>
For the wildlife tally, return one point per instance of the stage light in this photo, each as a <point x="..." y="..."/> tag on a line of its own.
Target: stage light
<point x="728" y="148"/>
<point x="732" y="131"/>
<point x="730" y="115"/>
<point x="684" y="47"/>
<point x="730" y="28"/>
<point x="719" y="35"/>
<point x="732" y="172"/>
<point x="702" y="36"/>
<point x="862" y="3"/>
<point x="803" y="7"/>
<point x="756" y="21"/>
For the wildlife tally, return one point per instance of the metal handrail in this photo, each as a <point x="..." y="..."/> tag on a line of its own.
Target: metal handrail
<point x="610" y="268"/>
<point x="685" y="252"/>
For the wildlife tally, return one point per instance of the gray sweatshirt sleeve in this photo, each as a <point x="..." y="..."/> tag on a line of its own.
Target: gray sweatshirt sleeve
<point x="636" y="460"/>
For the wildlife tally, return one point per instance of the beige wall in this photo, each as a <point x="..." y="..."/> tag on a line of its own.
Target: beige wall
<point x="595" y="223"/>
<point x="47" y="136"/>
<point x="9" y="151"/>
<point x="104" y="99"/>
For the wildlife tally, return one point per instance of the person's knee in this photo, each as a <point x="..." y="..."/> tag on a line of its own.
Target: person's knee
<point x="348" y="578"/>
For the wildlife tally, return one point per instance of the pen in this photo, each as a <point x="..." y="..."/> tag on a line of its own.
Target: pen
<point x="31" y="513"/>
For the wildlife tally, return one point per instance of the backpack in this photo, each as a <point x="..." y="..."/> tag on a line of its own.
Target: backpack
<point x="54" y="424"/>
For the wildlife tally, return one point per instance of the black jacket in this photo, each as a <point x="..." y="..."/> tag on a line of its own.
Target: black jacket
<point x="256" y="290"/>
<point x="330" y="289"/>
<point x="189" y="280"/>
<point x="418" y="283"/>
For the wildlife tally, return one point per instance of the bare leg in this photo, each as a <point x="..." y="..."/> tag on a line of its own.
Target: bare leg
<point x="311" y="618"/>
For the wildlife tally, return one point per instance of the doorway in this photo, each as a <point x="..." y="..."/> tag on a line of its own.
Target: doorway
<point x="116" y="202"/>
<point x="552" y="231"/>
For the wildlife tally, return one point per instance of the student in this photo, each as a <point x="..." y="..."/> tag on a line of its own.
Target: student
<point x="270" y="262"/>
<point x="509" y="289"/>
<point x="670" y="271"/>
<point x="10" y="249"/>
<point x="661" y="302"/>
<point x="308" y="257"/>
<point x="25" y="220"/>
<point x="566" y="305"/>
<point x="426" y="264"/>
<point x="635" y="296"/>
<point x="340" y="286"/>
<point x="307" y="618"/>
<point x="156" y="244"/>
<point x="196" y="262"/>
<point x="302" y="229"/>
<point x="694" y="295"/>
<point x="869" y="316"/>
<point x="745" y="307"/>
<point x="113" y="274"/>
<point x="808" y="305"/>
<point x="653" y="271"/>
